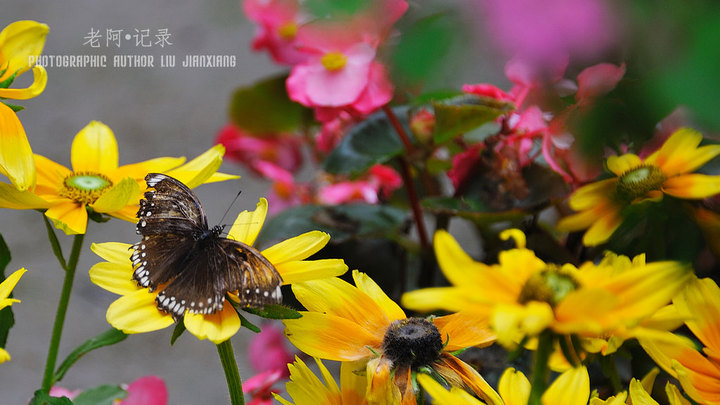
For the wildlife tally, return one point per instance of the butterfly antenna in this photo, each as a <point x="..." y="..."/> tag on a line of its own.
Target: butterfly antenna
<point x="230" y="206"/>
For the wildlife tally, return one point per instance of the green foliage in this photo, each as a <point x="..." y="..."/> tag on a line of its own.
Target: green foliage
<point x="335" y="9"/>
<point x="368" y="143"/>
<point x="41" y="397"/>
<point x="177" y="331"/>
<point x="274" y="312"/>
<point x="247" y="324"/>
<point x="457" y="115"/>
<point x="100" y="395"/>
<point x="7" y="320"/>
<point x="264" y="108"/>
<point x="107" y="338"/>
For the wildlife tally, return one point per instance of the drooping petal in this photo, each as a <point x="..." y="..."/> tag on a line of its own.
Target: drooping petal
<point x="472" y="379"/>
<point x="118" y="196"/>
<point x="461" y="330"/>
<point x="113" y="278"/>
<point x="94" y="149"/>
<point x="514" y="387"/>
<point x="692" y="186"/>
<point x="458" y="266"/>
<point x="20" y="41"/>
<point x="11" y="197"/>
<point x="200" y="169"/>
<point x="35" y="89"/>
<point x="114" y="252"/>
<point x="9" y="283"/>
<point x="441" y="396"/>
<point x="69" y="216"/>
<point x="16" y="158"/>
<point x="297" y="248"/>
<point x="700" y="302"/>
<point x="621" y="164"/>
<point x="570" y="388"/>
<point x="299" y="271"/>
<point x="365" y="284"/>
<point x="137" y="313"/>
<point x="337" y="297"/>
<point x="217" y="327"/>
<point x="329" y="337"/>
<point x="248" y="224"/>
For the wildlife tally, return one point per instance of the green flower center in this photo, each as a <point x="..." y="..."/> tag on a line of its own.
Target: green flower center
<point x="84" y="187"/>
<point x="637" y="182"/>
<point x="412" y="342"/>
<point x="549" y="285"/>
<point x="333" y="61"/>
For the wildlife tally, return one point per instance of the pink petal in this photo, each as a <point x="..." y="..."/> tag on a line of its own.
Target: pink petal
<point x="379" y="91"/>
<point x="487" y="90"/>
<point x="348" y="191"/>
<point x="148" y="390"/>
<point x="598" y="80"/>
<point x="268" y="350"/>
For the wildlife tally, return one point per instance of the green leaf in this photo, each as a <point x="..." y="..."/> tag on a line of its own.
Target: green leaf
<point x="335" y="9"/>
<point x="274" y="312"/>
<point x="107" y="338"/>
<point x="7" y="82"/>
<point x="245" y="323"/>
<point x="341" y="222"/>
<point x="14" y="107"/>
<point x="100" y="395"/>
<point x="42" y="397"/>
<point x="368" y="143"/>
<point x="460" y="114"/>
<point x="7" y="320"/>
<point x="264" y="108"/>
<point x="179" y="329"/>
<point x="472" y="210"/>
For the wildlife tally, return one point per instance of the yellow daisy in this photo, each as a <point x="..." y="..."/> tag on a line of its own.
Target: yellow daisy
<point x="699" y="374"/>
<point x="524" y="296"/>
<point x="639" y="393"/>
<point x="306" y="389"/>
<point x="669" y="170"/>
<point x="571" y="388"/>
<point x="137" y="312"/>
<point x="361" y="324"/>
<point x="6" y="288"/>
<point x="97" y="182"/>
<point x="20" y="42"/>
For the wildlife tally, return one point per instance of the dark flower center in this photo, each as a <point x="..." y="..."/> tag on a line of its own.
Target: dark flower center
<point x="549" y="285"/>
<point x="412" y="342"/>
<point x="84" y="187"/>
<point x="637" y="182"/>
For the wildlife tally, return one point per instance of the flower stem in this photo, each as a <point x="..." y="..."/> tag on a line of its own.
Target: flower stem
<point x="540" y="367"/>
<point x="232" y="375"/>
<point x="69" y="268"/>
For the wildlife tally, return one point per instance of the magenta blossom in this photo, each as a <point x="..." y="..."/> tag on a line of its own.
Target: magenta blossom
<point x="380" y="181"/>
<point x="268" y="350"/>
<point x="59" y="392"/>
<point x="260" y="386"/>
<point x="277" y="25"/>
<point x="282" y="150"/>
<point x="148" y="390"/>
<point x="284" y="192"/>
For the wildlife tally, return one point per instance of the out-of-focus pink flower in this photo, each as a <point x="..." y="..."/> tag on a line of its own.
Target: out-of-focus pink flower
<point x="385" y="179"/>
<point x="598" y="80"/>
<point x="281" y="149"/>
<point x="148" y="390"/>
<point x="278" y="22"/>
<point x="487" y="90"/>
<point x="542" y="31"/>
<point x="59" y="392"/>
<point x="531" y="86"/>
<point x="268" y="350"/>
<point x="260" y="386"/>
<point x="334" y="125"/>
<point x="422" y="125"/>
<point x="463" y="164"/>
<point x="379" y="181"/>
<point x="284" y="192"/>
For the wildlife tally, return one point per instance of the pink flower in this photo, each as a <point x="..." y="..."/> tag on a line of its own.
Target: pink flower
<point x="463" y="164"/>
<point x="260" y="386"/>
<point x="598" y="80"/>
<point x="268" y="350"/>
<point x="148" y="390"/>
<point x="60" y="392"/>
<point x="284" y="192"/>
<point x="333" y="128"/>
<point x="280" y="149"/>
<point x="487" y="90"/>
<point x="278" y="22"/>
<point x="385" y="179"/>
<point x="379" y="181"/>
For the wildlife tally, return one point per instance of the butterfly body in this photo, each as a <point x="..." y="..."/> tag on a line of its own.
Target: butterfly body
<point x="192" y="264"/>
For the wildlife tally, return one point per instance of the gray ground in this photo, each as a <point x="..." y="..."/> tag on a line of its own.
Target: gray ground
<point x="153" y="112"/>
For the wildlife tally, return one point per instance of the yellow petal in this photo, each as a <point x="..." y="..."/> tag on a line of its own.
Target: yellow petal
<point x="113" y="277"/>
<point x="305" y="270"/>
<point x="461" y="330"/>
<point x="692" y="186"/>
<point x="297" y="248"/>
<point x="139" y="170"/>
<point x="94" y="149"/>
<point x="329" y="337"/>
<point x="217" y="327"/>
<point x="200" y="169"/>
<point x="16" y="158"/>
<point x="638" y="395"/>
<point x="570" y="388"/>
<point x="12" y="198"/>
<point x="37" y="86"/>
<point x="459" y="268"/>
<point x="18" y="42"/>
<point x="368" y="286"/>
<point x="674" y="395"/>
<point x="4" y="355"/>
<point x="380" y="386"/>
<point x="354" y="384"/>
<point x="69" y="216"/>
<point x="447" y="298"/>
<point x="248" y="224"/>
<point x="137" y="313"/>
<point x="114" y="252"/>
<point x="118" y="196"/>
<point x="304" y="386"/>
<point x="444" y="397"/>
<point x="621" y="164"/>
<point x="600" y="231"/>
<point x="472" y="379"/>
<point x="50" y="175"/>
<point x="700" y="302"/>
<point x="9" y="283"/>
<point x="591" y="195"/>
<point x="333" y="296"/>
<point x="514" y="387"/>
<point x="676" y="155"/>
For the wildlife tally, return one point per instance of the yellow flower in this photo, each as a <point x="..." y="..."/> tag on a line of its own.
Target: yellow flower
<point x="667" y="171"/>
<point x="306" y="389"/>
<point x="363" y="325"/>
<point x="571" y="388"/>
<point x="97" y="182"/>
<point x="136" y="311"/>
<point x="6" y="288"/>
<point x="19" y="42"/>
<point x="639" y="393"/>
<point x="698" y="374"/>
<point x="525" y="296"/>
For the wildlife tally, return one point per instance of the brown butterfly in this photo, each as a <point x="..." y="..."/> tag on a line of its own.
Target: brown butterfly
<point x="191" y="263"/>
